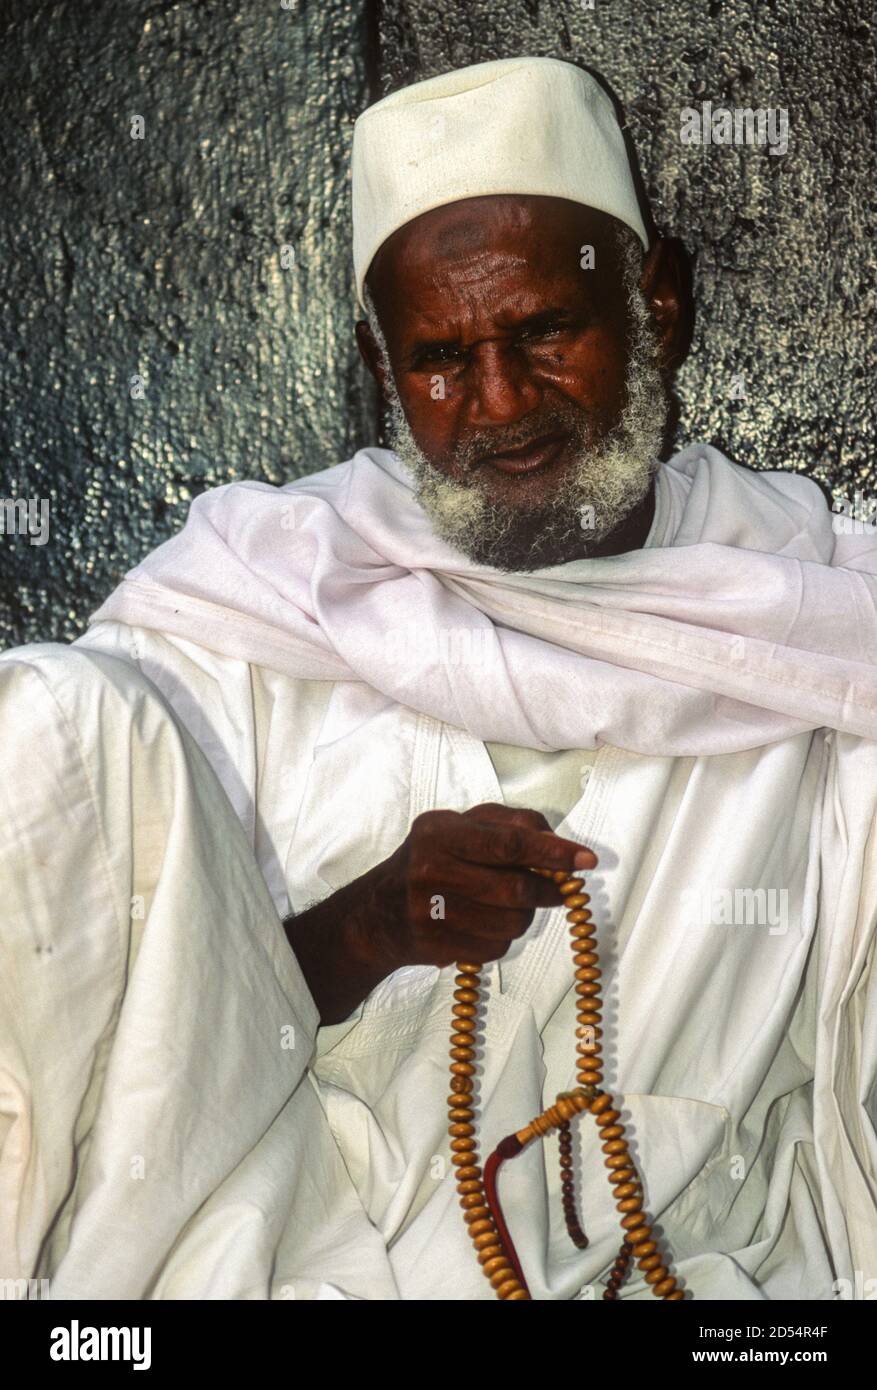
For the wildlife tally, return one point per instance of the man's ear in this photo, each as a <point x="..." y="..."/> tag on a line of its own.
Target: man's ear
<point x="666" y="283"/>
<point x="369" y="350"/>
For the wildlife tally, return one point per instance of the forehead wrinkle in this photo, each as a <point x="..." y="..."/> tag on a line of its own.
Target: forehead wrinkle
<point x="471" y="270"/>
<point x="447" y="298"/>
<point x="457" y="227"/>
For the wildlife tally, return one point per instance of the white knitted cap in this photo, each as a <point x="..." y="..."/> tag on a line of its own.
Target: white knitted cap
<point x="517" y="125"/>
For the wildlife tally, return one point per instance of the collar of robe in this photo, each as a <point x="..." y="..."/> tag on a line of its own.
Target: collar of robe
<point x="753" y="623"/>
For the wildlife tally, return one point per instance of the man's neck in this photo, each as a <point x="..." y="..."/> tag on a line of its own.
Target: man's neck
<point x="630" y="535"/>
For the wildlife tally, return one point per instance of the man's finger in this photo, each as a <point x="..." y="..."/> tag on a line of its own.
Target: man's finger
<point x="491" y="886"/>
<point x="492" y="812"/>
<point x="519" y="846"/>
<point x="460" y="918"/>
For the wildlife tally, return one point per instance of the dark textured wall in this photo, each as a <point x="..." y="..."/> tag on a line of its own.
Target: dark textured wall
<point x="161" y="258"/>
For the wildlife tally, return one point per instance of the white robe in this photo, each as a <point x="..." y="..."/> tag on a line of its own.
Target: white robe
<point x="159" y="1135"/>
<point x="745" y="1056"/>
<point x="161" y="1141"/>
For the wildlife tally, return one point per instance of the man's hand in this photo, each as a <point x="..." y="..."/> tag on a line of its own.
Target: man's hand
<point x="457" y="888"/>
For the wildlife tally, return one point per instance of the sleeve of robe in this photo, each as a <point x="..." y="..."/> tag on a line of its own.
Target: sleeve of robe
<point x="214" y="697"/>
<point x="159" y="1133"/>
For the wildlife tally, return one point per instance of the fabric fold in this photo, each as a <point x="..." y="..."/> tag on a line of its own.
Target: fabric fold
<point x="755" y="622"/>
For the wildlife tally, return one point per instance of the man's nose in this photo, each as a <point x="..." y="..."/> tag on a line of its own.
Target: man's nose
<point x="500" y="388"/>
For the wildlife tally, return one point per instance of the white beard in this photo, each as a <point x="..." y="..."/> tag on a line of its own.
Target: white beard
<point x="591" y="499"/>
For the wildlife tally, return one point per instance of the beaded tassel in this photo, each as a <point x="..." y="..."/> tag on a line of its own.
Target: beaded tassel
<point x="478" y="1198"/>
<point x="464" y="1146"/>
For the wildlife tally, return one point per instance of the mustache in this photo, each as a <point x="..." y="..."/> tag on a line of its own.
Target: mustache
<point x="566" y="419"/>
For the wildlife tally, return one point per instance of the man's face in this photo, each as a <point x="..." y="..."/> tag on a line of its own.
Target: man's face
<point x="522" y="388"/>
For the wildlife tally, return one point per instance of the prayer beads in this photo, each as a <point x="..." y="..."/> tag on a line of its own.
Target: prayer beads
<point x="478" y="1191"/>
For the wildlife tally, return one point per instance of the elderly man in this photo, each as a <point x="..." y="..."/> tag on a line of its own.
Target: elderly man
<point x="368" y="703"/>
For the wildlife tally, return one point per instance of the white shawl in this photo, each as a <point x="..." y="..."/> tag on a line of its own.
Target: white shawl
<point x="756" y="623"/>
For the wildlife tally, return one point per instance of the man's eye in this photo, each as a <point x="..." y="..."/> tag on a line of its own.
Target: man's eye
<point x="442" y="355"/>
<point x="549" y="330"/>
<point x="435" y="357"/>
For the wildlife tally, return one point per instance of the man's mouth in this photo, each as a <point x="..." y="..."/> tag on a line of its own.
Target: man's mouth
<point x="539" y="453"/>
